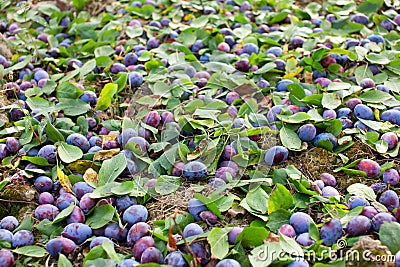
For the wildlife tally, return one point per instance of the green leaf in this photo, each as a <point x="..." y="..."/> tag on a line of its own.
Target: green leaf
<point x="290" y="246"/>
<point x="242" y="32"/>
<point x="64" y="213"/>
<point x="218" y="240"/>
<point x="78" y="4"/>
<point x="209" y="203"/>
<point x="387" y="235"/>
<point x="46" y="227"/>
<point x="36" y="160"/>
<point x="375" y="96"/>
<point x="96" y="253"/>
<point x="269" y="252"/>
<point x="281" y="198"/>
<point x="111" y="169"/>
<point x="109" y="249"/>
<point x="87" y="68"/>
<point x="370" y="6"/>
<point x="377" y="59"/>
<point x="331" y="101"/>
<point x="68" y="153"/>
<point x="257" y="199"/>
<point x="362" y="190"/>
<point x="199" y="22"/>
<point x="277" y="219"/>
<point x="53" y="134"/>
<point x="103" y="51"/>
<point x="63" y="261"/>
<point x="134" y="31"/>
<point x="167" y="184"/>
<point x="31" y="251"/>
<point x="26" y="224"/>
<point x="101" y="216"/>
<point x="73" y="107"/>
<point x="252" y="236"/>
<point x="106" y="96"/>
<point x="19" y="65"/>
<point x="267" y="67"/>
<point x="289" y="138"/>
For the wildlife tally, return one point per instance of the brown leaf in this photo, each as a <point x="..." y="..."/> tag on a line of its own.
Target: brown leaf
<point x="91" y="176"/>
<point x="308" y="77"/>
<point x="106" y="154"/>
<point x="80" y="166"/>
<point x="272" y="237"/>
<point x="171" y="245"/>
<point x="245" y="89"/>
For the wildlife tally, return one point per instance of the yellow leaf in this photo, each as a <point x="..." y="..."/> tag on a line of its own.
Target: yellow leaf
<point x="91" y="176"/>
<point x="64" y="180"/>
<point x="106" y="154"/>
<point x="293" y="74"/>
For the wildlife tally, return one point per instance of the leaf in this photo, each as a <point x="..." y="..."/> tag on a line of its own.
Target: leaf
<point x="209" y="203"/>
<point x="31" y="251"/>
<point x="63" y="261"/>
<point x="265" y="254"/>
<point x="267" y="67"/>
<point x="257" y="199"/>
<point x="96" y="254"/>
<point x="109" y="249"/>
<point x="134" y="31"/>
<point x="387" y="235"/>
<point x="101" y="216"/>
<point x="106" y="96"/>
<point x="26" y="224"/>
<point x="331" y="101"/>
<point x="46" y="227"/>
<point x="242" y="32"/>
<point x="36" y="160"/>
<point x="377" y="59"/>
<point x="252" y="236"/>
<point x="73" y="107"/>
<point x="362" y="190"/>
<point x="87" y="68"/>
<point x="64" y="213"/>
<point x="218" y="240"/>
<point x="281" y="198"/>
<point x="78" y="4"/>
<point x="167" y="184"/>
<point x="53" y="134"/>
<point x="290" y="246"/>
<point x="375" y="96"/>
<point x="370" y="6"/>
<point x="277" y="219"/>
<point x="103" y="51"/>
<point x="111" y="169"/>
<point x="91" y="177"/>
<point x="68" y="153"/>
<point x="64" y="180"/>
<point x="289" y="138"/>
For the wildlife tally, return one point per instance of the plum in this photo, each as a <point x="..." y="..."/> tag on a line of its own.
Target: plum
<point x="135" y="214"/>
<point x="86" y="203"/>
<point x="243" y="65"/>
<point x="328" y="179"/>
<point x="344" y="113"/>
<point x="76" y="216"/>
<point x="362" y="111"/>
<point x="126" y="135"/>
<point x="208" y="217"/>
<point x="228" y="263"/>
<point x="137" y="231"/>
<point x="299" y="262"/>
<point x="353" y="102"/>
<point x="95" y="141"/>
<point x="9" y="223"/>
<point x="6" y="235"/>
<point x="376" y="38"/>
<point x="113" y="231"/>
<point x="98" y="241"/>
<point x="287" y="230"/>
<point x="369" y="212"/>
<point x="49" y="152"/>
<point x="122" y="203"/>
<point x="127" y="263"/>
<point x="140" y="143"/>
<point x="177" y="168"/>
<point x="12" y="144"/>
<point x="380" y="218"/>
<point x="331" y="232"/>
<point x="78" y="140"/>
<point x="40" y="74"/>
<point x="231" y="97"/>
<point x="89" y="97"/>
<point x="325" y="137"/>
<point x="392" y="116"/>
<point x="281" y="86"/>
<point x="391" y="139"/>
<point x="195" y="207"/>
<point x="370" y="167"/>
<point x="194" y="171"/>
<point x="276" y="155"/>
<point x="391" y="176"/>
<point x="224" y="47"/>
<point x="43" y="184"/>
<point x="60" y="245"/>
<point x="175" y="259"/>
<point x="389" y="199"/>
<point x="359" y="18"/>
<point x="141" y="245"/>
<point x="22" y="238"/>
<point x="135" y="79"/>
<point x="46" y="211"/>
<point x="329" y="191"/>
<point x="81" y="188"/>
<point x="64" y="200"/>
<point x="224" y="172"/>
<point x="6" y="258"/>
<point x="77" y="232"/>
<point x="192" y="229"/>
<point x="233" y="234"/>
<point x="152" y="254"/>
<point x="130" y="59"/>
<point x="216" y="182"/>
<point x="300" y="222"/>
<point x="307" y="132"/>
<point x="153" y="119"/>
<point x="296" y="41"/>
<point x="305" y="239"/>
<point x="46" y="198"/>
<point x="357" y="201"/>
<point x="358" y="225"/>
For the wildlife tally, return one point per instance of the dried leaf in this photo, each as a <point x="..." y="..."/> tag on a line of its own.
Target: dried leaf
<point x="91" y="177"/>
<point x="106" y="154"/>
